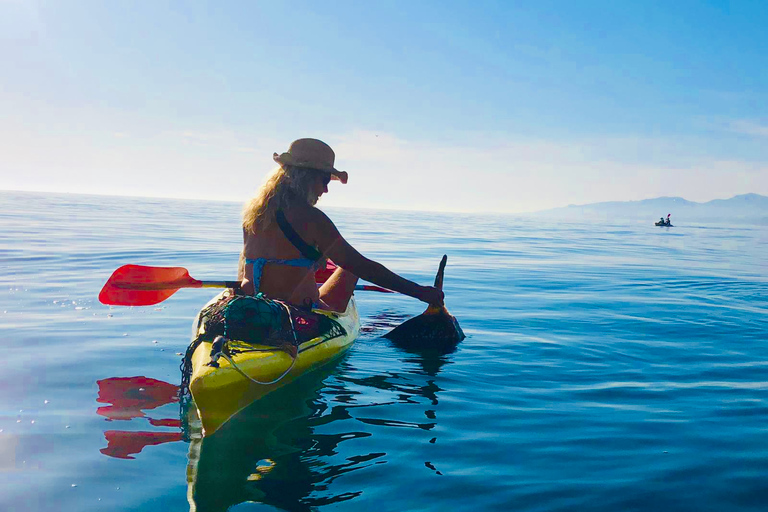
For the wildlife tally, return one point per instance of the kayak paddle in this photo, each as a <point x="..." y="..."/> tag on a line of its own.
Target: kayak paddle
<point x="140" y="285"/>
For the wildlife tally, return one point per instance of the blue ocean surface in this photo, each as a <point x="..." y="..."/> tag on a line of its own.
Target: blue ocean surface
<point x="607" y="367"/>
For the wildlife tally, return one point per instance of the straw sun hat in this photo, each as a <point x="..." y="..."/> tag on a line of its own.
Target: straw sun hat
<point x="311" y="153"/>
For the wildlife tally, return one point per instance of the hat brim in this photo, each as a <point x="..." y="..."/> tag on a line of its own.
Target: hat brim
<point x="287" y="159"/>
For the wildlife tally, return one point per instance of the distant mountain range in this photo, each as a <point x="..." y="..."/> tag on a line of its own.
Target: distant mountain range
<point x="752" y="208"/>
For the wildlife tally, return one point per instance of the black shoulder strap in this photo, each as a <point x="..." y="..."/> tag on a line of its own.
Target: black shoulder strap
<point x="304" y="248"/>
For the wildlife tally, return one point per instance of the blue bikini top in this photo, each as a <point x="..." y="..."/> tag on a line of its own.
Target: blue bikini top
<point x="311" y="254"/>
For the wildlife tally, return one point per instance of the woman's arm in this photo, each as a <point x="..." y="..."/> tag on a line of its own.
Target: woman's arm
<point x="335" y="247"/>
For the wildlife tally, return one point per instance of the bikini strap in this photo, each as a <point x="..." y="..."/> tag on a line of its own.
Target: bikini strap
<point x="304" y="248"/>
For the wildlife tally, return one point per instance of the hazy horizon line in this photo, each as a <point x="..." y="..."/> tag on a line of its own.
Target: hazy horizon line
<point x="241" y="201"/>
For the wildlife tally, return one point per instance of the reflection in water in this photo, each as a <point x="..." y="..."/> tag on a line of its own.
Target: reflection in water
<point x="287" y="449"/>
<point x="269" y="453"/>
<point x="129" y="397"/>
<point x="279" y="450"/>
<point x="123" y="444"/>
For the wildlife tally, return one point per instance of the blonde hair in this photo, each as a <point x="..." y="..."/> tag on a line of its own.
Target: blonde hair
<point x="282" y="188"/>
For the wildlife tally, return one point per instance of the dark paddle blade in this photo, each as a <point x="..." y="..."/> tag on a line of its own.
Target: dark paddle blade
<point x="138" y="285"/>
<point x="441" y="272"/>
<point x="434" y="328"/>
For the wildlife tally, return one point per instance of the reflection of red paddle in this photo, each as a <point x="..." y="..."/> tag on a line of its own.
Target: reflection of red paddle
<point x="131" y="396"/>
<point x="123" y="444"/>
<point x="139" y="285"/>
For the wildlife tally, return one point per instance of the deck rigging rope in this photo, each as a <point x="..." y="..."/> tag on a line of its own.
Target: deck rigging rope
<point x="245" y="321"/>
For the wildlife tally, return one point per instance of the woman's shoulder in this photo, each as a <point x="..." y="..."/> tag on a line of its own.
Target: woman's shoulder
<point x="317" y="224"/>
<point x="308" y="214"/>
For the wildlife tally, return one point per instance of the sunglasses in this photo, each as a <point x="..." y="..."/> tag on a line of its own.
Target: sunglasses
<point x="326" y="179"/>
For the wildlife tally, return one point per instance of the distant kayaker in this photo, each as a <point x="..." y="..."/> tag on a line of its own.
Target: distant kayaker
<point x="286" y="238"/>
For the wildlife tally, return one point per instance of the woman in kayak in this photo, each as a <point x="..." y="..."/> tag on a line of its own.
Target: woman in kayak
<point x="286" y="238"/>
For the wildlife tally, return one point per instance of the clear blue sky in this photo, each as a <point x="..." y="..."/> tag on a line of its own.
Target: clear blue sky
<point x="473" y="106"/>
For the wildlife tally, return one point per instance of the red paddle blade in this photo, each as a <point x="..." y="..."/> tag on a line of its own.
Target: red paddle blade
<point x="323" y="274"/>
<point x="137" y="285"/>
<point x="372" y="288"/>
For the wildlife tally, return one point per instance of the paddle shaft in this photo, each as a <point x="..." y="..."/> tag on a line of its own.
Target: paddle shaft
<point x="220" y="284"/>
<point x="236" y="285"/>
<point x="168" y="285"/>
<point x="140" y="285"/>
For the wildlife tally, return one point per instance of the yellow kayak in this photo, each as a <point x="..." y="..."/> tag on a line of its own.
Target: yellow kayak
<point x="220" y="391"/>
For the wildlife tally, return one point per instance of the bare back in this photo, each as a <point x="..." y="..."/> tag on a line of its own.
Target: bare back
<point x="290" y="283"/>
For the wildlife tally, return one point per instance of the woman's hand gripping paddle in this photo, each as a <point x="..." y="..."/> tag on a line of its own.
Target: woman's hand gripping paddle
<point x="139" y="285"/>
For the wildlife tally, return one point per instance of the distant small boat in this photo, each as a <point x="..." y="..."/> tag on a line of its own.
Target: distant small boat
<point x="659" y="223"/>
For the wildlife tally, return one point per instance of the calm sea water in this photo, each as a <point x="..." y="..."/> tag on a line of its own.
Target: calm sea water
<point x="606" y="367"/>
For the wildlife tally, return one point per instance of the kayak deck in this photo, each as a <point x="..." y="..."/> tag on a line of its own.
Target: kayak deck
<point x="220" y="392"/>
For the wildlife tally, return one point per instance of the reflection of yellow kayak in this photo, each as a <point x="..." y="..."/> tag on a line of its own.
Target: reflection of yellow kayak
<point x="220" y="392"/>
<point x="262" y="457"/>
